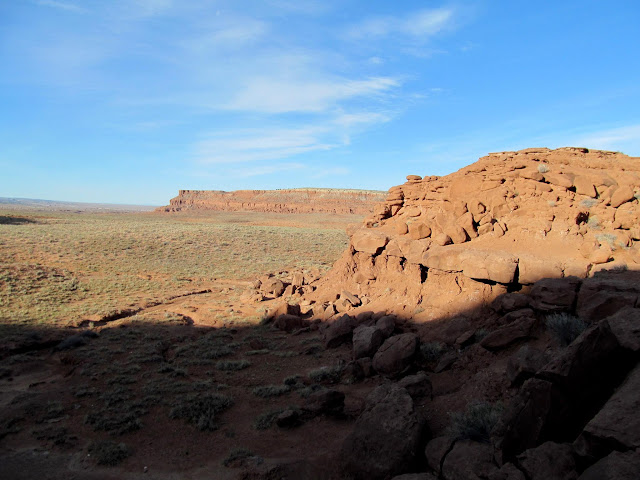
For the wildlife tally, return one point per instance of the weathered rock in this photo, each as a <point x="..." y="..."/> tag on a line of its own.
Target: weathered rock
<point x="272" y="286"/>
<point x="369" y="241"/>
<point x="387" y="437"/>
<point x="446" y="362"/>
<point x="617" y="424"/>
<point x="510" y="302"/>
<point x="622" y="195"/>
<point x="396" y="354"/>
<point x="480" y="264"/>
<point x="508" y="471"/>
<point x="325" y="402"/>
<point x="615" y="466"/>
<point x="415" y="476"/>
<point x="338" y="332"/>
<point x="625" y="326"/>
<point x="418" y="386"/>
<point x="366" y="341"/>
<point x="605" y="294"/>
<point x="288" y="323"/>
<point x="288" y="419"/>
<point x="549" y="461"/>
<point x="523" y="364"/>
<point x="469" y="461"/>
<point x="509" y="334"/>
<point x="436" y="451"/>
<point x="419" y="230"/>
<point x="554" y="294"/>
<point x="351" y="298"/>
<point x="386" y="325"/>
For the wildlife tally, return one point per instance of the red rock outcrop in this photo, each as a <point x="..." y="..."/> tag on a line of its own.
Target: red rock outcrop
<point x="299" y="200"/>
<point x="439" y="246"/>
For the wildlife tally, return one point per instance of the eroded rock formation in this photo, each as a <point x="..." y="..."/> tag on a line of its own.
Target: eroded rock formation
<point x="299" y="200"/>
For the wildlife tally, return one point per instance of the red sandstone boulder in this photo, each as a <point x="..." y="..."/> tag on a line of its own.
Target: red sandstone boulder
<point x="369" y="241"/>
<point x="396" y="354"/>
<point x="387" y="437"/>
<point x="549" y="461"/>
<point x="366" y="341"/>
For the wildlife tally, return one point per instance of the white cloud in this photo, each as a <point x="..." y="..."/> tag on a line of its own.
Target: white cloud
<point x="255" y="171"/>
<point x="361" y="119"/>
<point x="625" y="139"/>
<point x="70" y="7"/>
<point x="279" y="95"/>
<point x="243" y="146"/>
<point x="417" y="25"/>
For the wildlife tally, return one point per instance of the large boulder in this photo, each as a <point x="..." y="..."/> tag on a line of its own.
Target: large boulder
<point x="469" y="460"/>
<point x="369" y="241"/>
<point x="524" y="364"/>
<point x="474" y="263"/>
<point x="615" y="466"/>
<point x="338" y="332"/>
<point x="509" y="334"/>
<point x="617" y="424"/>
<point x="418" y="386"/>
<point x="396" y="354"/>
<point x="366" y="341"/>
<point x="387" y="437"/>
<point x="549" y="461"/>
<point x="606" y="293"/>
<point x="554" y="294"/>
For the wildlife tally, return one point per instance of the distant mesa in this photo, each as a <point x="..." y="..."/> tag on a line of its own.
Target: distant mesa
<point x="297" y="200"/>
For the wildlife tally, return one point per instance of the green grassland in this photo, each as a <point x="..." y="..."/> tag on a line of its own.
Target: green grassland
<point x="57" y="268"/>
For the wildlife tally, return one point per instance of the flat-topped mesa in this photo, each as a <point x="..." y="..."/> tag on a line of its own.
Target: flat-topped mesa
<point x="298" y="200"/>
<point x="452" y="243"/>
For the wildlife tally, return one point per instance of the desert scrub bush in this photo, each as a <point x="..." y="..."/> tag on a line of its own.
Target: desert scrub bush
<point x="608" y="238"/>
<point x="233" y="365"/>
<point x="109" y="453"/>
<point x="564" y="327"/>
<point x="267" y="391"/>
<point x="328" y="374"/>
<point x="476" y="422"/>
<point x="543" y="168"/>
<point x="119" y="420"/>
<point x="588" y="202"/>
<point x="263" y="351"/>
<point x="202" y="410"/>
<point x="266" y="420"/>
<point x="236" y="456"/>
<point x="431" y="351"/>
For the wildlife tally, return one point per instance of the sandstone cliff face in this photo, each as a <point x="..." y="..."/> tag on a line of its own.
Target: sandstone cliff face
<point x="450" y="244"/>
<point x="303" y="200"/>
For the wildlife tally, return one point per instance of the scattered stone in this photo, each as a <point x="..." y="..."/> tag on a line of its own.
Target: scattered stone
<point x="549" y="461"/>
<point x="418" y="386"/>
<point x="615" y="466"/>
<point x="523" y="364"/>
<point x="338" y="332"/>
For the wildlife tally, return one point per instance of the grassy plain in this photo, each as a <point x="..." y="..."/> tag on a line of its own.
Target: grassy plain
<point x="186" y="382"/>
<point x="58" y="268"/>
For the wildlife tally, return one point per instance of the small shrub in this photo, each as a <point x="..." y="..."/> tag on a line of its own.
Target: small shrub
<point x="476" y="422"/>
<point x="233" y="365"/>
<point x="564" y="327"/>
<point x="266" y="420"/>
<point x="236" y="456"/>
<point x="108" y="452"/>
<point x="608" y="238"/>
<point x="267" y="391"/>
<point x="327" y="374"/>
<point x="543" y="168"/>
<point x="589" y="202"/>
<point x="202" y="410"/>
<point x="263" y="351"/>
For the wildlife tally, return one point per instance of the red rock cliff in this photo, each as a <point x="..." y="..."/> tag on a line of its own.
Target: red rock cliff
<point x="301" y="200"/>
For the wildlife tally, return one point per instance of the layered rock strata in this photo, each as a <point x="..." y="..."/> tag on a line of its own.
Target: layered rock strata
<point x="301" y="200"/>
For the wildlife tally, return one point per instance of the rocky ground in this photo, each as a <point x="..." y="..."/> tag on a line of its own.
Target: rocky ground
<point x="482" y="325"/>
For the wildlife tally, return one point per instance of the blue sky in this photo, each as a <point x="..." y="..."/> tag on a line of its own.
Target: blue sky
<point x="127" y="101"/>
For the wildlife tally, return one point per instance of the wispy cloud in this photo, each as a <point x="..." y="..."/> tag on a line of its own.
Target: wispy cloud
<point x="257" y="145"/>
<point x="417" y="25"/>
<point x="625" y="139"/>
<point x="69" y="7"/>
<point x="281" y="95"/>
